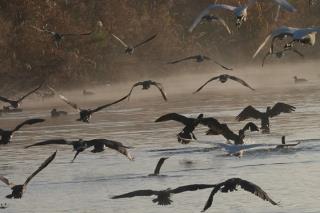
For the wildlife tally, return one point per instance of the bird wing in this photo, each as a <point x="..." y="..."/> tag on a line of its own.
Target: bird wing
<point x="213" y="124"/>
<point x="210" y="199"/>
<point x="6" y="181"/>
<point x="250" y="126"/>
<point x="145" y="41"/>
<point x="107" y="105"/>
<point x="48" y="142"/>
<point x="5" y="99"/>
<point x="159" y="164"/>
<point x="160" y="87"/>
<point x="29" y="122"/>
<point x="224" y="24"/>
<point x="76" y="34"/>
<point x="42" y="166"/>
<point x="249" y="112"/>
<point x="29" y="93"/>
<point x="286" y="5"/>
<point x="122" y="42"/>
<point x="73" y="105"/>
<point x="135" y="85"/>
<point x="279" y="108"/>
<point x="298" y="52"/>
<point x="42" y="30"/>
<point x="211" y="79"/>
<point x="224" y="67"/>
<point x="136" y="193"/>
<point x="240" y="81"/>
<point x="175" y="117"/>
<point x="193" y="187"/>
<point x="183" y="59"/>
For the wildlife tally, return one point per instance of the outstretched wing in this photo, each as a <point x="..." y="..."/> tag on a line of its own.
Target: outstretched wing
<point x="193" y="187"/>
<point x="160" y="87"/>
<point x="29" y="93"/>
<point x="284" y="4"/>
<point x="250" y="126"/>
<point x="145" y="41"/>
<point x="29" y="122"/>
<point x="5" y="99"/>
<point x="76" y="34"/>
<point x="213" y="124"/>
<point x="184" y="59"/>
<point x="6" y="181"/>
<point x="240" y="81"/>
<point x="135" y="85"/>
<point x="279" y="108"/>
<point x="175" y="117"/>
<point x="43" y="165"/>
<point x="211" y="79"/>
<point x="73" y="105"/>
<point x="159" y="164"/>
<point x="122" y="42"/>
<point x="107" y="105"/>
<point x="224" y="67"/>
<point x="210" y="199"/>
<point x="136" y="193"/>
<point x="249" y="112"/>
<point x="49" y="142"/>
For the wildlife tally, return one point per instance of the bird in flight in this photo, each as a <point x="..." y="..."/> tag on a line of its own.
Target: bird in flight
<point x="209" y="18"/>
<point x="18" y="190"/>
<point x="277" y="109"/>
<point x="281" y="53"/>
<point x="6" y="135"/>
<point x="158" y="167"/>
<point x="81" y="145"/>
<point x="224" y="78"/>
<point x="163" y="196"/>
<point x="146" y="85"/>
<point x="231" y="185"/>
<point x="130" y="49"/>
<point x="186" y="135"/>
<point x="16" y="103"/>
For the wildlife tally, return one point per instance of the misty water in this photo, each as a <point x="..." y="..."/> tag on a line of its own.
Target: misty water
<point x="290" y="176"/>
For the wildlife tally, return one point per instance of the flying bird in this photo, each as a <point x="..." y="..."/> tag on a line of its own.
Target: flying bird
<point x="209" y="18"/>
<point x="81" y="145"/>
<point x="158" y="167"/>
<point x="299" y="80"/>
<point x="85" y="114"/>
<point x="146" y="85"/>
<point x="231" y="185"/>
<point x="224" y="78"/>
<point x="16" y="103"/>
<point x="281" y="53"/>
<point x="18" y="190"/>
<point x="199" y="59"/>
<point x="216" y="128"/>
<point x="163" y="196"/>
<point x="277" y="109"/>
<point x="6" y="135"/>
<point x="130" y="49"/>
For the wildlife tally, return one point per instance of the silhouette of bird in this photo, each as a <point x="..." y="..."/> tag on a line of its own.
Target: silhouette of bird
<point x="18" y="190"/>
<point x="81" y="145"/>
<point x="186" y="135"/>
<point x="130" y="49"/>
<point x="85" y="114"/>
<point x="16" y="103"/>
<point x="299" y="80"/>
<point x="277" y="109"/>
<point x="55" y="113"/>
<point x="224" y="78"/>
<point x="231" y="185"/>
<point x="209" y="18"/>
<point x="158" y="167"/>
<point x="199" y="59"/>
<point x="146" y="85"/>
<point x="163" y="196"/>
<point x="6" y="135"/>
<point x="216" y="128"/>
<point x="281" y="53"/>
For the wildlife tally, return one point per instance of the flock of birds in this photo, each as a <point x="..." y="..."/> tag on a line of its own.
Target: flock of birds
<point x="186" y="135"/>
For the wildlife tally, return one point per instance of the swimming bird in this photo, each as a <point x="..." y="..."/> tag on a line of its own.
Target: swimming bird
<point x="297" y="35"/>
<point x="281" y="53"/>
<point x="224" y="78"/>
<point x="216" y="128"/>
<point x="130" y="49"/>
<point x="163" y="196"/>
<point x="16" y="103"/>
<point x="209" y="18"/>
<point x="199" y="58"/>
<point x="146" y="85"/>
<point x="87" y="92"/>
<point x="18" y="190"/>
<point x="231" y="185"/>
<point x="55" y="113"/>
<point x="6" y="135"/>
<point x="85" y="114"/>
<point x="158" y="167"/>
<point x="299" y="80"/>
<point x="186" y="135"/>
<point x="81" y="145"/>
<point x="277" y="109"/>
<point x="284" y="144"/>
<point x="58" y="37"/>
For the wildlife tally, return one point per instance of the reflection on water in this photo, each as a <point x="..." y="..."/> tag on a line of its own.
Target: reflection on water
<point x="290" y="176"/>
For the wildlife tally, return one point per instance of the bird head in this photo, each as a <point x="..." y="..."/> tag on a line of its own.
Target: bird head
<point x="200" y="116"/>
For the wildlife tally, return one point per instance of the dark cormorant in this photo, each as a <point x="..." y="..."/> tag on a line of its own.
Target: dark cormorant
<point x="130" y="49"/>
<point x="231" y="185"/>
<point x="186" y="134"/>
<point x="81" y="145"/>
<point x="18" y="190"/>
<point x="16" y="104"/>
<point x="55" y="113"/>
<point x="163" y="196"/>
<point x="224" y="78"/>
<point x="85" y="114"/>
<point x="299" y="80"/>
<point x="158" y="167"/>
<point x="6" y="135"/>
<point x="277" y="109"/>
<point x="146" y="85"/>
